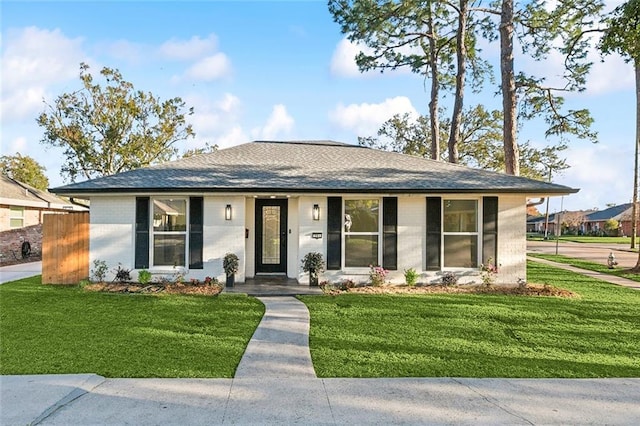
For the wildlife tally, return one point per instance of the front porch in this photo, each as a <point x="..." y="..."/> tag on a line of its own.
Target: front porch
<point x="272" y="285"/>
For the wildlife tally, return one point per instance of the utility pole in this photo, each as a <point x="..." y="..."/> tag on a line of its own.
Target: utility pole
<point x="546" y="215"/>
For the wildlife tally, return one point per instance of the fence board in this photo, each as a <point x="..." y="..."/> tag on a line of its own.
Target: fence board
<point x="65" y="248"/>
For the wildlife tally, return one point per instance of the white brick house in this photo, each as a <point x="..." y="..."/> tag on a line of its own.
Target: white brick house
<point x="270" y="203"/>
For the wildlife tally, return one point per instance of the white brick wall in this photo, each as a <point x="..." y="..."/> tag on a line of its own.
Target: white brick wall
<point x="113" y="219"/>
<point x="111" y="229"/>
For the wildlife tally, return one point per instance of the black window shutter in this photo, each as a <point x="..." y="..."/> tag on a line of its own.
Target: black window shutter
<point x="490" y="229"/>
<point x="195" y="232"/>
<point x="390" y="233"/>
<point x="434" y="232"/>
<point x="142" y="233"/>
<point x="334" y="233"/>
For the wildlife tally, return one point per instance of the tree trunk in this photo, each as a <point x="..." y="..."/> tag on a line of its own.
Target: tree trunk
<point x="511" y="154"/>
<point x="435" y="85"/>
<point x="634" y="220"/>
<point x="461" y="57"/>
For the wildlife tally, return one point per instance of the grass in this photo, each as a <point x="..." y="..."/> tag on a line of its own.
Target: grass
<point x="591" y="266"/>
<point x="582" y="239"/>
<point x="56" y="330"/>
<point x="596" y="335"/>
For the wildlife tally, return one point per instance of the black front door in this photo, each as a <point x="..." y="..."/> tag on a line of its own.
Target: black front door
<point x="271" y="235"/>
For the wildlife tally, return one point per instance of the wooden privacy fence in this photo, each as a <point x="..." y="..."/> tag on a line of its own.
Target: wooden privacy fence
<point x="65" y="248"/>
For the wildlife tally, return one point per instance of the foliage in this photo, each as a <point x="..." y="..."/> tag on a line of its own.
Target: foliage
<point x="230" y="263"/>
<point x="122" y="274"/>
<point x="313" y="261"/>
<point x="122" y="336"/>
<point x="411" y="276"/>
<point x="99" y="271"/>
<point x="439" y="41"/>
<point x="488" y="272"/>
<point x="572" y="221"/>
<point x="449" y="279"/>
<point x="611" y="226"/>
<point x="481" y="143"/>
<point x="24" y="169"/>
<point x="211" y="281"/>
<point x="199" y="151"/>
<point x="377" y="275"/>
<point x="108" y="130"/>
<point x="144" y="276"/>
<point x="622" y="35"/>
<point x="453" y="335"/>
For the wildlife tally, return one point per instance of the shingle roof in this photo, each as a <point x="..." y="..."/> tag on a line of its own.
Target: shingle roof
<point x="610" y="213"/>
<point x="310" y="166"/>
<point x="20" y="194"/>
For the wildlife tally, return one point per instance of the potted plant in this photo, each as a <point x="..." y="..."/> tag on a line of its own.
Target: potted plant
<point x="230" y="265"/>
<point x="314" y="265"/>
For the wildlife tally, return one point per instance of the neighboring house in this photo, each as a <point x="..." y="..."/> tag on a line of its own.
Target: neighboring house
<point x="22" y="209"/>
<point x="595" y="221"/>
<point x="271" y="203"/>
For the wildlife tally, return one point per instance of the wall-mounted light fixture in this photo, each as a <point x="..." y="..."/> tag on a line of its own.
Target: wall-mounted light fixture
<point x="316" y="212"/>
<point x="227" y="212"/>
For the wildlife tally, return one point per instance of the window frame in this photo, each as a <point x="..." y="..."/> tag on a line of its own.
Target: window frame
<point x="477" y="233"/>
<point x="344" y="234"/>
<point x="12" y="216"/>
<point x="153" y="232"/>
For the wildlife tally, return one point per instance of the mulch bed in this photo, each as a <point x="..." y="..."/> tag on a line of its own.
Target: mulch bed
<point x="206" y="290"/>
<point x="528" y="290"/>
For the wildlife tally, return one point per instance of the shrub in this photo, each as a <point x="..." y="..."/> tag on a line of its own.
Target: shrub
<point x="489" y="272"/>
<point x="377" y="275"/>
<point x="210" y="281"/>
<point x="144" y="277"/>
<point x="411" y="276"/>
<point x="99" y="271"/>
<point x="122" y="274"/>
<point x="449" y="279"/>
<point x="313" y="261"/>
<point x="230" y="263"/>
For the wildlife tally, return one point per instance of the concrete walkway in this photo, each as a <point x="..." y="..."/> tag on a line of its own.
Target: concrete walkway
<point x="279" y="347"/>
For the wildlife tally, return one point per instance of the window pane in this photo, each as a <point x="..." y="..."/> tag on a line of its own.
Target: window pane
<point x="16" y="223"/>
<point x="169" y="215"/>
<point x="460" y="251"/>
<point x="168" y="250"/>
<point x="361" y="215"/>
<point x="271" y="235"/>
<point x="460" y="216"/>
<point x="16" y="212"/>
<point x="360" y="250"/>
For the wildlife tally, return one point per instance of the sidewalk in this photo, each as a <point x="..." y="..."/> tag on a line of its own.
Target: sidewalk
<point x="19" y="271"/>
<point x="90" y="399"/>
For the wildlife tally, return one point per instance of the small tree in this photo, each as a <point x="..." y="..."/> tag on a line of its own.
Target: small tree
<point x="313" y="263"/>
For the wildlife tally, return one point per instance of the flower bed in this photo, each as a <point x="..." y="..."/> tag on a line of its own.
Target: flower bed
<point x="172" y="288"/>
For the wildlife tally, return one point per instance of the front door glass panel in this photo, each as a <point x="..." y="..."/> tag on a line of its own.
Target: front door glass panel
<point x="271" y="235"/>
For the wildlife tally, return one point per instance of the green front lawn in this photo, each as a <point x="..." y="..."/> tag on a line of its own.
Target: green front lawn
<point x="597" y="335"/>
<point x="55" y="330"/>
<point x="585" y="264"/>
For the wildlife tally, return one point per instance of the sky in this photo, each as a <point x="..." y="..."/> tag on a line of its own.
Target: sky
<point x="272" y="71"/>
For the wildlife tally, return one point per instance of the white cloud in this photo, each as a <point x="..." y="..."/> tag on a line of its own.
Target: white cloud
<point x="210" y="68"/>
<point x="343" y="61"/>
<point x="127" y="51"/>
<point x="191" y="49"/>
<point x="234" y="136"/>
<point x="212" y="118"/>
<point x="365" y="119"/>
<point x="278" y="123"/>
<point x="33" y="59"/>
<point x="611" y="183"/>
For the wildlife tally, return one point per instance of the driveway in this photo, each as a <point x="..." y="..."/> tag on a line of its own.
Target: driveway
<point x="19" y="271"/>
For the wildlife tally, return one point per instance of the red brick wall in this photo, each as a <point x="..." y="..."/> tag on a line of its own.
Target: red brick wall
<point x="12" y="241"/>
